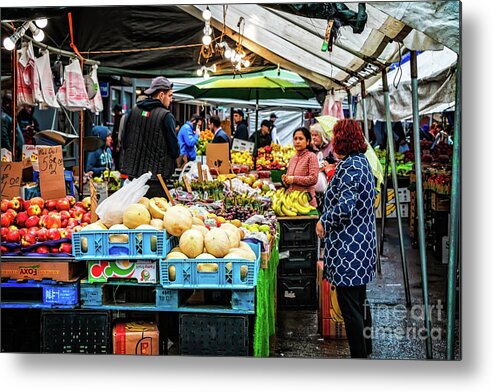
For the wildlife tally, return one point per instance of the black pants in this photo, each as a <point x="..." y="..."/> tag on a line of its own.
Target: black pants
<point x="357" y="319"/>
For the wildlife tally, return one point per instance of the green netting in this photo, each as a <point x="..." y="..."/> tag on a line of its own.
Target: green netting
<point x="265" y="318"/>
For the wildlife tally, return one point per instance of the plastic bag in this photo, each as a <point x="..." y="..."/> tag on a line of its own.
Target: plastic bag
<point x="72" y="94"/>
<point x="110" y="211"/>
<point x="25" y="78"/>
<point x="322" y="183"/>
<point x="97" y="101"/>
<point x="191" y="171"/>
<point x="45" y="75"/>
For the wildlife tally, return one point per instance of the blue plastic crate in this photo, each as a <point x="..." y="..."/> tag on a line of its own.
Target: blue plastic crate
<point x="69" y="181"/>
<point x="189" y="274"/>
<point x="141" y="245"/>
<point x="53" y="294"/>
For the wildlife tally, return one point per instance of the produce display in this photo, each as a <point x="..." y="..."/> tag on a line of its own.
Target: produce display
<point x="39" y="226"/>
<point x="206" y="137"/>
<point x="403" y="161"/>
<point x="111" y="178"/>
<point x="274" y="157"/>
<point x="293" y="203"/>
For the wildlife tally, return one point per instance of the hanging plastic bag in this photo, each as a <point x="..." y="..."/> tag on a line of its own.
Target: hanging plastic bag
<point x="45" y="75"/>
<point x="110" y="211"/>
<point x="25" y="76"/>
<point x="72" y="94"/>
<point x="97" y="101"/>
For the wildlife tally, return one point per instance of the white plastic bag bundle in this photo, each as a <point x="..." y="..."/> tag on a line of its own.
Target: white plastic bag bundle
<point x="28" y="91"/>
<point x="110" y="211"/>
<point x="43" y="68"/>
<point x="190" y="170"/>
<point x="97" y="101"/>
<point x="72" y="94"/>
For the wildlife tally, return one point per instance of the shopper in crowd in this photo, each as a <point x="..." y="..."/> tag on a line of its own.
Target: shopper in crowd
<point x="273" y="132"/>
<point x="102" y="159"/>
<point x="425" y="134"/>
<point x="220" y="136"/>
<point x="117" y="117"/>
<point x="28" y="124"/>
<point x="188" y="136"/>
<point x="347" y="228"/>
<point x="241" y="126"/>
<point x="8" y="126"/>
<point x="149" y="140"/>
<point x="263" y="135"/>
<point x="303" y="169"/>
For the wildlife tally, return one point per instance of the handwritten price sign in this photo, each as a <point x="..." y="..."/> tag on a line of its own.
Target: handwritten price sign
<point x="11" y="179"/>
<point x="51" y="172"/>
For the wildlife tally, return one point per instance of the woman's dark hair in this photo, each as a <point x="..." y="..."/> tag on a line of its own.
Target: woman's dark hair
<point x="348" y="138"/>
<point x="306" y="132"/>
<point x="267" y="123"/>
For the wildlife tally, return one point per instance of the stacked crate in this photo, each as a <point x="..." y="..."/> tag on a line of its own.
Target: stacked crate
<point x="298" y="255"/>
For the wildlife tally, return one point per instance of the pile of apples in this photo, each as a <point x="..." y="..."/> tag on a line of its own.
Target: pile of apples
<point x="31" y="222"/>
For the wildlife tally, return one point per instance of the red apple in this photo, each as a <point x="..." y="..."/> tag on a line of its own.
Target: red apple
<point x="43" y="249"/>
<point x="64" y="215"/>
<point x="77" y="213"/>
<point x="65" y="247"/>
<point x="79" y="204"/>
<point x="3" y="233"/>
<point x="54" y="249"/>
<point x="13" y="227"/>
<point x="54" y="222"/>
<point x="86" y="202"/>
<point x="25" y="205"/>
<point x="14" y="204"/>
<point x="34" y="210"/>
<point x="32" y="221"/>
<point x="13" y="236"/>
<point x="63" y="232"/>
<point x="71" y="200"/>
<point x="23" y="232"/>
<point x="12" y="212"/>
<point x="86" y="218"/>
<point x="37" y="201"/>
<point x="50" y="205"/>
<point x="64" y="223"/>
<point x="43" y="221"/>
<point x="21" y="218"/>
<point x="5" y="205"/>
<point x="28" y="240"/>
<point x="45" y="211"/>
<point x="7" y="219"/>
<point x="42" y="234"/>
<point x="34" y="230"/>
<point x="72" y="223"/>
<point x="4" y="249"/>
<point x="62" y="204"/>
<point x="53" y="234"/>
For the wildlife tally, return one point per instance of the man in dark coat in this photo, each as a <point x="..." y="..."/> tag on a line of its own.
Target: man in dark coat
<point x="149" y="137"/>
<point x="241" y="131"/>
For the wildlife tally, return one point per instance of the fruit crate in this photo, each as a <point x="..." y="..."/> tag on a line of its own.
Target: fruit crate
<point x="39" y="294"/>
<point x="298" y="233"/>
<point x="276" y="175"/>
<point x="210" y="273"/>
<point x="298" y="262"/>
<point x="296" y="292"/>
<point x="214" y="335"/>
<point x="77" y="331"/>
<point x="102" y="245"/>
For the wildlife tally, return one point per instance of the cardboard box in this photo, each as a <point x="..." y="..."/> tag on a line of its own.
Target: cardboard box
<point x="38" y="270"/>
<point x="135" y="338"/>
<point x="141" y="271"/>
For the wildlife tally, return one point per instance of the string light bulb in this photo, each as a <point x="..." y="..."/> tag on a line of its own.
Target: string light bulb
<point x="9" y="42"/>
<point x="206" y="40"/>
<point x="207" y="14"/>
<point x="38" y="34"/>
<point x="41" y="23"/>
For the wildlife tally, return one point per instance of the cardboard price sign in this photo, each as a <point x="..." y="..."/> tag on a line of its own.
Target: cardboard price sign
<point x="218" y="156"/>
<point x="11" y="179"/>
<point x="242" y="145"/>
<point x="51" y="172"/>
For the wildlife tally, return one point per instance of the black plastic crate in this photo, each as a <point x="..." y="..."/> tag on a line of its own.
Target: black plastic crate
<point x="298" y="233"/>
<point x="299" y="262"/>
<point x="21" y="330"/>
<point x="296" y="292"/>
<point x="214" y="335"/>
<point x="77" y="331"/>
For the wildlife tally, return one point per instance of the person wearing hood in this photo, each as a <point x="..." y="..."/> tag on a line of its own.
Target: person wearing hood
<point x="188" y="137"/>
<point x="101" y="159"/>
<point x="149" y="140"/>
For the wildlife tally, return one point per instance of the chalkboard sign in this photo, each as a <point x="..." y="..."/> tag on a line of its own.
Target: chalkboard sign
<point x="11" y="179"/>
<point x="51" y="172"/>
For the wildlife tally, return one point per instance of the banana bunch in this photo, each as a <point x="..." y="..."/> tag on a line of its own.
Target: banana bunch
<point x="293" y="204"/>
<point x="335" y="310"/>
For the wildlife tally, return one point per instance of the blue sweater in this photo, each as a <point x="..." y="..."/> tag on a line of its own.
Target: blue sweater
<point x="187" y="139"/>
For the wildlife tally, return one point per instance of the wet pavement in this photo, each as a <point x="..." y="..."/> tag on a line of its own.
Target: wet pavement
<point x="396" y="328"/>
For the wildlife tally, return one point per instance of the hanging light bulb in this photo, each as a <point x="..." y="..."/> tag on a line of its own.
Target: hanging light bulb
<point x="246" y="63"/>
<point x="9" y="42"/>
<point x="206" y="40"/>
<point x="228" y="53"/>
<point x="200" y="71"/>
<point x="38" y="34"/>
<point x="41" y="23"/>
<point x="207" y="14"/>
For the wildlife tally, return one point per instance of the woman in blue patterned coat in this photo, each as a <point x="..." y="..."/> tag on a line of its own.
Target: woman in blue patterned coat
<point x="347" y="229"/>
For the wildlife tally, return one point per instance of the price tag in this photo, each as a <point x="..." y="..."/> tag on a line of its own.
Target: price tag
<point x="51" y="172"/>
<point x="242" y="145"/>
<point x="11" y="179"/>
<point x="187" y="184"/>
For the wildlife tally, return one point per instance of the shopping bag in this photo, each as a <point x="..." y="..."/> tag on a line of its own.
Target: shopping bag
<point x="97" y="101"/>
<point x="72" y="94"/>
<point x="25" y="76"/>
<point x="43" y="70"/>
<point x="322" y="183"/>
<point x="110" y="211"/>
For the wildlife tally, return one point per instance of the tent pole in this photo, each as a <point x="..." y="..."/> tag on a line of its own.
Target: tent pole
<point x="365" y="115"/>
<point x="383" y="201"/>
<point x="350" y="103"/>
<point x="390" y="145"/>
<point x="255" y="148"/>
<point x="454" y="220"/>
<point x="14" y="105"/>
<point x="81" y="154"/>
<point x="419" y="196"/>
